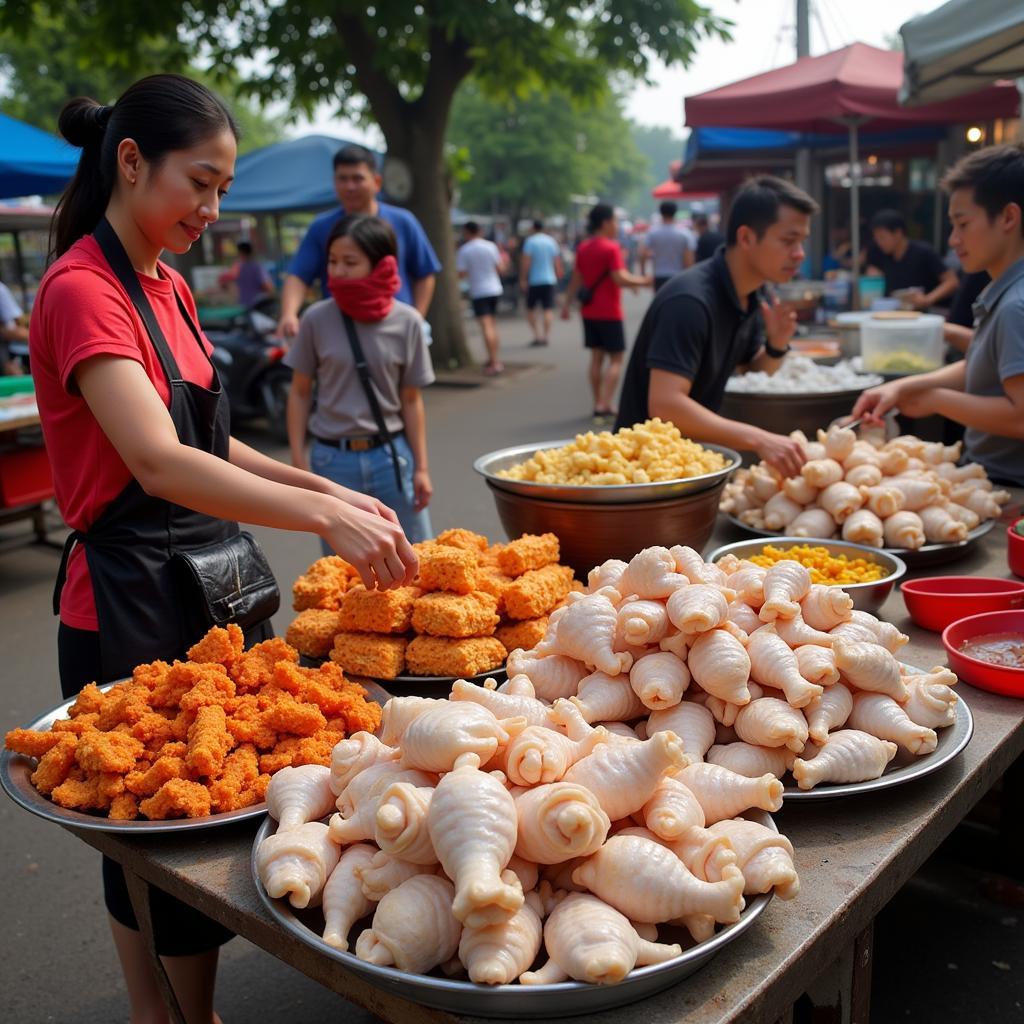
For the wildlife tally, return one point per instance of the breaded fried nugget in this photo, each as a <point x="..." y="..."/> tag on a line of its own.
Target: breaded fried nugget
<point x="90" y="701"/>
<point x="220" y="646"/>
<point x="79" y="724"/>
<point x="177" y="798"/>
<point x="291" y="716"/>
<point x="107" y="751"/>
<point x="246" y="724"/>
<point x="491" y="555"/>
<point x="213" y="686"/>
<point x="323" y="584"/>
<point x="455" y="615"/>
<point x="173" y="748"/>
<point x="324" y="686"/>
<point x="126" y="702"/>
<point x="536" y="592"/>
<point x="531" y="551"/>
<point x="124" y="807"/>
<point x="443" y="567"/>
<point x="233" y="790"/>
<point x="312" y="631"/>
<point x="368" y="654"/>
<point x="526" y="634"/>
<point x="208" y="742"/>
<point x="151" y="675"/>
<point x="378" y="611"/>
<point x="437" y="656"/>
<point x="491" y="580"/>
<point x="280" y="757"/>
<point x="55" y="765"/>
<point x="255" y="668"/>
<point x="154" y="730"/>
<point x="31" y="743"/>
<point x="80" y="794"/>
<point x="163" y="769"/>
<point x="176" y="682"/>
<point x="460" y="538"/>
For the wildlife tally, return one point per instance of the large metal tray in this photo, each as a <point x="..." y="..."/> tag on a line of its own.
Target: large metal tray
<point x="915" y="558"/>
<point x="489" y="465"/>
<point x="904" y="767"/>
<point x="16" y="769"/>
<point x="510" y="1002"/>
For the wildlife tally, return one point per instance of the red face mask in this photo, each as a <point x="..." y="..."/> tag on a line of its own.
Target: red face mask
<point x="367" y="299"/>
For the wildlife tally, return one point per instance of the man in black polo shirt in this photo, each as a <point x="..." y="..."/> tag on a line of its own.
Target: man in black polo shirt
<point x="712" y="319"/>
<point x="908" y="264"/>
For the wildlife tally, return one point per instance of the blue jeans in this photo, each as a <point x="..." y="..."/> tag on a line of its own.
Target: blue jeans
<point x="372" y="473"/>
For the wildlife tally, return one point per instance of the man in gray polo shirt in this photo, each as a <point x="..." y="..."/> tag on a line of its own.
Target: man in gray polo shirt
<point x="985" y="392"/>
<point x="667" y="246"/>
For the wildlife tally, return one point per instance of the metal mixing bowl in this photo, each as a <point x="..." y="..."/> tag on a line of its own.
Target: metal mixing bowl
<point x="781" y="413"/>
<point x="488" y="466"/>
<point x="867" y="597"/>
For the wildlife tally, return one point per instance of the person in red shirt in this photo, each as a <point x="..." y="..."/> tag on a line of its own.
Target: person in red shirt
<point x="598" y="277"/>
<point x="136" y="425"/>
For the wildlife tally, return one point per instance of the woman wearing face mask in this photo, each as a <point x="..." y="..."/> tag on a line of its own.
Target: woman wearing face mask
<point x="368" y="357"/>
<point x="145" y="470"/>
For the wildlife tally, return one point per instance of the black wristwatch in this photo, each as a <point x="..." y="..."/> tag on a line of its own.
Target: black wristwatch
<point x="775" y="353"/>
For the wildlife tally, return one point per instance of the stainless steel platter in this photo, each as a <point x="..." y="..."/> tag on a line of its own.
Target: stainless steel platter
<point x="867" y="597"/>
<point x="510" y="1002"/>
<point x="915" y="558"/>
<point x="904" y="767"/>
<point x="488" y="466"/>
<point x="15" y="772"/>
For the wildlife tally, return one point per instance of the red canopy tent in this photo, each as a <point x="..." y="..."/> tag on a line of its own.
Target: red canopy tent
<point x="856" y="85"/>
<point x="673" y="190"/>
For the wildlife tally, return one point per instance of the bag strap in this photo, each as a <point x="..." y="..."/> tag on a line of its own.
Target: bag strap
<point x="371" y="394"/>
<point x="114" y="253"/>
<point x="600" y="279"/>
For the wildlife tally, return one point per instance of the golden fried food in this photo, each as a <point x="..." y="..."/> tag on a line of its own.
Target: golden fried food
<point x="491" y="580"/>
<point x="312" y="632"/>
<point x="125" y="702"/>
<point x="526" y="634"/>
<point x="323" y="584"/>
<point x="443" y="567"/>
<point x="491" y="555"/>
<point x="55" y="765"/>
<point x="177" y="798"/>
<point x="80" y="724"/>
<point x="213" y="686"/>
<point x="455" y="615"/>
<point x="80" y="794"/>
<point x="219" y="646"/>
<point x="246" y="725"/>
<point x="89" y="701"/>
<point x="124" y="807"/>
<point x="531" y="551"/>
<point x="256" y="667"/>
<point x="31" y="743"/>
<point x="460" y="538"/>
<point x="234" y="790"/>
<point x="288" y="715"/>
<point x="208" y="741"/>
<point x="107" y="751"/>
<point x="536" y="592"/>
<point x="163" y="769"/>
<point x="154" y="730"/>
<point x="438" y="656"/>
<point x="367" y="654"/>
<point x="378" y="611"/>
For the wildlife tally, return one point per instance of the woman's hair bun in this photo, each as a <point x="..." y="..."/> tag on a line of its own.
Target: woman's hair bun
<point x="82" y="121"/>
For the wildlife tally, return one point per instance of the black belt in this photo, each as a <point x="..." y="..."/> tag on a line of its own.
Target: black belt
<point x="355" y="444"/>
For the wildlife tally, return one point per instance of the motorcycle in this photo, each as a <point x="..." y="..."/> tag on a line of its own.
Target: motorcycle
<point x="248" y="359"/>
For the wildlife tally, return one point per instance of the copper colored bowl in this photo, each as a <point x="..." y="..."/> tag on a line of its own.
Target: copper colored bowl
<point x="590" y="533"/>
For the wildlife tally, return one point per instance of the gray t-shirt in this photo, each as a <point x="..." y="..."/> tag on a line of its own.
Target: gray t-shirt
<point x="668" y="245"/>
<point x="995" y="354"/>
<point x="396" y="354"/>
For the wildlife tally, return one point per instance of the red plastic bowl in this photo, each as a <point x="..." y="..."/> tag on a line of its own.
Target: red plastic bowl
<point x="982" y="674"/>
<point x="936" y="601"/>
<point x="1015" y="550"/>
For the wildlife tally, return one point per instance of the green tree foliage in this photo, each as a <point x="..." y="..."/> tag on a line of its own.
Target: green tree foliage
<point x="660" y="146"/>
<point x="401" y="62"/>
<point x="527" y="156"/>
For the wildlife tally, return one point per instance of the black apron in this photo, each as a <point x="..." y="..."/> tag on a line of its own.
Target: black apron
<point x="144" y="605"/>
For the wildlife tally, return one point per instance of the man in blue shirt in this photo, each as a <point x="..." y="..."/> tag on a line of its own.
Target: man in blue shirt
<point x="539" y="271"/>
<point x="357" y="183"/>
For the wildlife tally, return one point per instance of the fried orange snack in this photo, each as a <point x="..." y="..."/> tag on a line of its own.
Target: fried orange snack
<point x="31" y="743"/>
<point x="437" y="656"/>
<point x="208" y="742"/>
<point x="531" y="551"/>
<point x="443" y="567"/>
<point x="177" y="798"/>
<point x="536" y="592"/>
<point x="124" y="807"/>
<point x="323" y="584"/>
<point x="455" y="615"/>
<point x="163" y="769"/>
<point x="89" y="701"/>
<point x="312" y="631"/>
<point x="220" y="646"/>
<point x="80" y="794"/>
<point x="378" y="611"/>
<point x="55" y="765"/>
<point x="460" y="538"/>
<point x="368" y="654"/>
<point x="107" y="751"/>
<point x="233" y="790"/>
<point x="491" y="580"/>
<point x="526" y="634"/>
<point x="256" y="667"/>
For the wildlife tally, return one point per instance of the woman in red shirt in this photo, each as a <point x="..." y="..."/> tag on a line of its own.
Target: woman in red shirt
<point x="600" y="272"/>
<point x="136" y="426"/>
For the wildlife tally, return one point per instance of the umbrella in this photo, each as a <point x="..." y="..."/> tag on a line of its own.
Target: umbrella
<point x="959" y="47"/>
<point x="32" y="162"/>
<point x="673" y="190"/>
<point x="856" y="85"/>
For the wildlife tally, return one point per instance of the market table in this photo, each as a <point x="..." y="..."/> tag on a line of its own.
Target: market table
<point x="26" y="484"/>
<point x="852" y="855"/>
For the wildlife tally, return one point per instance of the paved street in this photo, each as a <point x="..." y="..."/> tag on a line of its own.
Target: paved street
<point x="56" y="959"/>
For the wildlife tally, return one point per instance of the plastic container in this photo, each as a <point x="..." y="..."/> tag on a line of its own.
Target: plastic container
<point x="935" y="601"/>
<point x="897" y="343"/>
<point x="870" y="288"/>
<point x="23" y="385"/>
<point x="983" y="674"/>
<point x="1015" y="550"/>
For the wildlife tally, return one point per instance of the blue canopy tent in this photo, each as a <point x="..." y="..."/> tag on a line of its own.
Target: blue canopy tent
<point x="32" y="162"/>
<point x="293" y="175"/>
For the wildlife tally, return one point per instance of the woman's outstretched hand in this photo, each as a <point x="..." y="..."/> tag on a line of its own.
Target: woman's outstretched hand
<point x="373" y="543"/>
